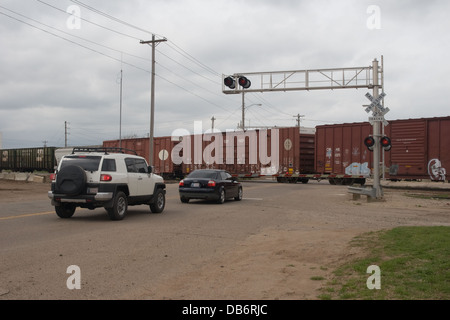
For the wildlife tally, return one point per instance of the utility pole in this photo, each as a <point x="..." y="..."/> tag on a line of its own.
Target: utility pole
<point x="120" y="121"/>
<point x="65" y="133"/>
<point x="298" y="116"/>
<point x="152" y="43"/>
<point x="243" y="112"/>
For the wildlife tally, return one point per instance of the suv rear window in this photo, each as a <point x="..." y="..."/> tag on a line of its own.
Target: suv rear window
<point x="88" y="163"/>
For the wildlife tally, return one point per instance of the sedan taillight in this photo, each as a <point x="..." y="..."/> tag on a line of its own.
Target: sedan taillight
<point x="211" y="183"/>
<point x="181" y="184"/>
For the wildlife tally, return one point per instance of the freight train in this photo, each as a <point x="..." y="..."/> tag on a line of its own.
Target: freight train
<point x="28" y="159"/>
<point x="419" y="150"/>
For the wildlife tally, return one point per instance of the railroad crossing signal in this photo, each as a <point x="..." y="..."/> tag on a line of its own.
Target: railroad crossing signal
<point x="378" y="111"/>
<point x="376" y="108"/>
<point x="369" y="142"/>
<point x="385" y="143"/>
<point x="230" y="82"/>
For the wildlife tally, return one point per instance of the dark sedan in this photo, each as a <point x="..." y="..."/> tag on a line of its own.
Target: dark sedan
<point x="210" y="184"/>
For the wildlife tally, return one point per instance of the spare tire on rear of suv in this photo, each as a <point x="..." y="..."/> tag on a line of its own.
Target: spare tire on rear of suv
<point x="71" y="180"/>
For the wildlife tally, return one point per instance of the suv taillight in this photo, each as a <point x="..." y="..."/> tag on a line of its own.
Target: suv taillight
<point x="53" y="177"/>
<point x="105" y="177"/>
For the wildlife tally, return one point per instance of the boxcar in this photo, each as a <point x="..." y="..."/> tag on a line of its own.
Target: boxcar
<point x="278" y="151"/>
<point x="420" y="149"/>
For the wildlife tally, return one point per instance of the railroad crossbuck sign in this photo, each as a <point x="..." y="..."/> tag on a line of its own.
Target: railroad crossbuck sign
<point x="378" y="111"/>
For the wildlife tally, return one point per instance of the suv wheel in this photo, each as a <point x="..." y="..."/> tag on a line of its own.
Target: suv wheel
<point x="159" y="202"/>
<point x="65" y="210"/>
<point x="120" y="205"/>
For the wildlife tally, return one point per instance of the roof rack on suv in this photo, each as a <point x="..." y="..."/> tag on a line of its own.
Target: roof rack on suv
<point x="106" y="150"/>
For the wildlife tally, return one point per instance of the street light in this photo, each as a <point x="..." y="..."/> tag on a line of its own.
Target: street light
<point x="243" y="111"/>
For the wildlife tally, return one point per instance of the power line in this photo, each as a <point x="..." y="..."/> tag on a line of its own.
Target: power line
<point x="111" y="17"/>
<point x="96" y="24"/>
<point x="177" y="48"/>
<point x="113" y="58"/>
<point x="191" y="58"/>
<point x="73" y="42"/>
<point x="78" y="37"/>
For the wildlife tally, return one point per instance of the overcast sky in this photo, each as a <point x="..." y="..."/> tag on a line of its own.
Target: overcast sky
<point x="56" y="67"/>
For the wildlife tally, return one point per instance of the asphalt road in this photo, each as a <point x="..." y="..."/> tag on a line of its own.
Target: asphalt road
<point x="117" y="257"/>
<point x="180" y="252"/>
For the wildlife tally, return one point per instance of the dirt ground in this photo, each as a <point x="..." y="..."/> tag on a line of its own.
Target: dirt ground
<point x="287" y="260"/>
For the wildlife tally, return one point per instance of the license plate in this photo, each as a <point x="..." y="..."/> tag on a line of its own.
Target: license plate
<point x="195" y="185"/>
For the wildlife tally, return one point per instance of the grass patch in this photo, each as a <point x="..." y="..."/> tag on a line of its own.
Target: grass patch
<point x="414" y="264"/>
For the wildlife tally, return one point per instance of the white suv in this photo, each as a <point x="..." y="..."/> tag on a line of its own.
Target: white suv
<point x="105" y="177"/>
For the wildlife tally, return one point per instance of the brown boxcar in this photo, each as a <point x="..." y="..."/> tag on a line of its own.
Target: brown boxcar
<point x="250" y="153"/>
<point x="420" y="149"/>
<point x="162" y="147"/>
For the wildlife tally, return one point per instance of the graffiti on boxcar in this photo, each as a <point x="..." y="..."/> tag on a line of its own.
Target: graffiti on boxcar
<point x="357" y="168"/>
<point x="436" y="171"/>
<point x="337" y="156"/>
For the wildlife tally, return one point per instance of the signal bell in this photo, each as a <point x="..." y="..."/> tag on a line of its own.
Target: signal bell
<point x="369" y="143"/>
<point x="386" y="143"/>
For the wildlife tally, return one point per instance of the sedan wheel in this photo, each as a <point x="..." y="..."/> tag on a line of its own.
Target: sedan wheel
<point x="221" y="196"/>
<point x="239" y="196"/>
<point x="184" y="199"/>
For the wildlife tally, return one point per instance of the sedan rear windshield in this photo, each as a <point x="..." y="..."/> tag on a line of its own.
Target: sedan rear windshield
<point x="88" y="163"/>
<point x="203" y="174"/>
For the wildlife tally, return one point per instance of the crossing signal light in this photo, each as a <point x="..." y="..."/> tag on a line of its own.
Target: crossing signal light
<point x="244" y="82"/>
<point x="229" y="82"/>
<point x="369" y="143"/>
<point x="386" y="143"/>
